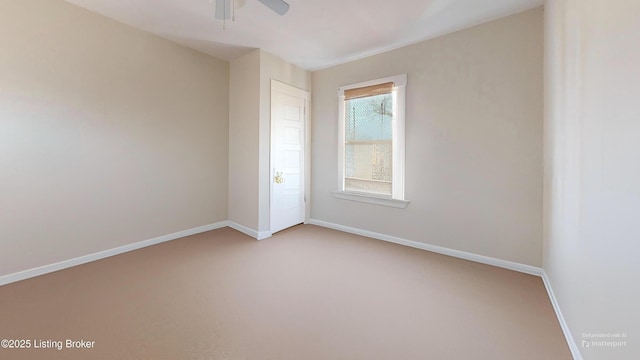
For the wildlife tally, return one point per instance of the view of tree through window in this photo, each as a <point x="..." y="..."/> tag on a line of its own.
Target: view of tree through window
<point x="368" y="144"/>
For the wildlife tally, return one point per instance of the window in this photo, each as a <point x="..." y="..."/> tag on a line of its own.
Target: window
<point x="371" y="153"/>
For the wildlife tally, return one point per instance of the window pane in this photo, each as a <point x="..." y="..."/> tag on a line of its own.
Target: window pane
<point x="368" y="144"/>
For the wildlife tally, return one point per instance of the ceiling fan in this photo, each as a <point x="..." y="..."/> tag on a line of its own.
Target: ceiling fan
<point x="225" y="8"/>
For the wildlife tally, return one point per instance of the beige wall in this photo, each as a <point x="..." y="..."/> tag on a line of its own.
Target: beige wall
<point x="244" y="117"/>
<point x="108" y="135"/>
<point x="592" y="171"/>
<point x="473" y="141"/>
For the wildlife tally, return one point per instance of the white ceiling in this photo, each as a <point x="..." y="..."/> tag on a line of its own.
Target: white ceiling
<point x="313" y="34"/>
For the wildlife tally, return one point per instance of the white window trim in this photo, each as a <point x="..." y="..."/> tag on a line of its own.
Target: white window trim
<point x="371" y="199"/>
<point x="397" y="199"/>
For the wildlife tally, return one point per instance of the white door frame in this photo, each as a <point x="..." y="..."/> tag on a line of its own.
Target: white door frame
<point x="297" y="92"/>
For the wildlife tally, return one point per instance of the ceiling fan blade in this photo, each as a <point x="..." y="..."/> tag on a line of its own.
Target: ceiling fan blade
<point x="279" y="6"/>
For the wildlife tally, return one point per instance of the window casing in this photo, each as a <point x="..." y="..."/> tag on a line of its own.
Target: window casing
<point x="371" y="141"/>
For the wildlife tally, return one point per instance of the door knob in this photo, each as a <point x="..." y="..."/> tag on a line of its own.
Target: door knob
<point x="278" y="179"/>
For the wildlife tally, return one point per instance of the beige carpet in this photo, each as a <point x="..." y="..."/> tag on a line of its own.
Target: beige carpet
<point x="307" y="293"/>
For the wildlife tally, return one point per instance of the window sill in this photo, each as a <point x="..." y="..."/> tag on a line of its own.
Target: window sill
<point x="371" y="199"/>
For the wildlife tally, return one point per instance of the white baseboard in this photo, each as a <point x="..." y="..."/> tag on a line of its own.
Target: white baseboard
<point x="258" y="235"/>
<point x="26" y="274"/>
<point x="573" y="347"/>
<point x="527" y="269"/>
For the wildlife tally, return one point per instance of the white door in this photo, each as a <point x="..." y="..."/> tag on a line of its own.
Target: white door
<point x="288" y="115"/>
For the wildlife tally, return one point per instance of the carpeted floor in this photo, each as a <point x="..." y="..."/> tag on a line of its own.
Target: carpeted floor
<point x="307" y="293"/>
